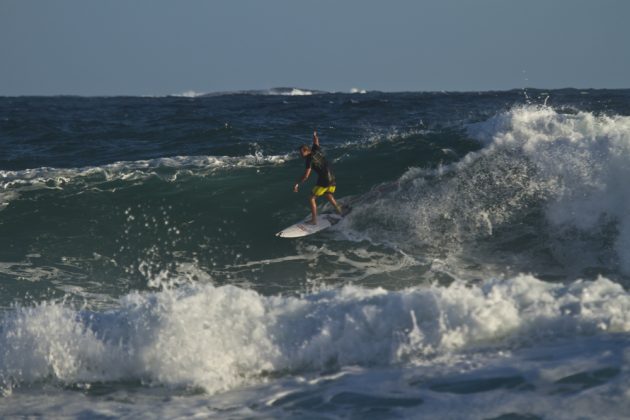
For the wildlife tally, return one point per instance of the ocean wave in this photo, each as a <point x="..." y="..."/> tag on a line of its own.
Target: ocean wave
<point x="167" y="168"/>
<point x="219" y="338"/>
<point x="579" y="161"/>
<point x="276" y="91"/>
<point x="540" y="173"/>
<point x="291" y="92"/>
<point x="188" y="94"/>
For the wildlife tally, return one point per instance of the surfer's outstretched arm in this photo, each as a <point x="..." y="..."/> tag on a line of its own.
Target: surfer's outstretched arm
<point x="315" y="138"/>
<point x="307" y="173"/>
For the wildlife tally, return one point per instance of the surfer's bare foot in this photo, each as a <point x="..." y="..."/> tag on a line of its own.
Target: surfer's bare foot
<point x="312" y="222"/>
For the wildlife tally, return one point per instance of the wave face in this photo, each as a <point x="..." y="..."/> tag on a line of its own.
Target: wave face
<point x="484" y="265"/>
<point x="544" y="192"/>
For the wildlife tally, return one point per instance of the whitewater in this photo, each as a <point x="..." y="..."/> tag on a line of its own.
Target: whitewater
<point x="482" y="273"/>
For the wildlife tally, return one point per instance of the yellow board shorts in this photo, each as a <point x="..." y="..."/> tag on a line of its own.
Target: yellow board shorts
<point x="319" y="191"/>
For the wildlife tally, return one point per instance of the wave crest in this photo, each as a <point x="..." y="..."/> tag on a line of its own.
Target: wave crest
<point x="544" y="184"/>
<point x="222" y="337"/>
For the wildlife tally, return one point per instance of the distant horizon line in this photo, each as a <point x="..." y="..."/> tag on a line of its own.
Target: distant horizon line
<point x="294" y="92"/>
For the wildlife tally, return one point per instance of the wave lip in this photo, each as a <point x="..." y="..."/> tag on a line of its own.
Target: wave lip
<point x="544" y="193"/>
<point x="579" y="161"/>
<point x="223" y="337"/>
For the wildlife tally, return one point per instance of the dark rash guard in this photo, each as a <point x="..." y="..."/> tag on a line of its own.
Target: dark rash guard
<point x="317" y="162"/>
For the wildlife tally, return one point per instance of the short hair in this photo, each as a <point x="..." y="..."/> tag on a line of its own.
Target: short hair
<point x="304" y="148"/>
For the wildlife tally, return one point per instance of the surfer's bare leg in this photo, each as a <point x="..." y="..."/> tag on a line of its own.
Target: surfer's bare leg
<point x="332" y="200"/>
<point x="313" y="209"/>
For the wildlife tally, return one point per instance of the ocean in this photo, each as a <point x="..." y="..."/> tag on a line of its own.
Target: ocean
<point x="483" y="272"/>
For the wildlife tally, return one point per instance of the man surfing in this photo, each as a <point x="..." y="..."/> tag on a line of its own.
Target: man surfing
<point x="326" y="185"/>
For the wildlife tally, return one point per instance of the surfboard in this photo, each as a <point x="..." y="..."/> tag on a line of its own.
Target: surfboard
<point x="303" y="228"/>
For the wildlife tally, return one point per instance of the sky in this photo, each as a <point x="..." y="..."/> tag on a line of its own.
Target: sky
<point x="158" y="47"/>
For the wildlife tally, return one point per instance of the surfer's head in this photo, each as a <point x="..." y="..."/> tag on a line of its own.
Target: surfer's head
<point x="304" y="150"/>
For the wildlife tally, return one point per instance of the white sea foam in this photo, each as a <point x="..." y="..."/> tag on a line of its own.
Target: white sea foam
<point x="167" y="168"/>
<point x="220" y="338"/>
<point x="580" y="160"/>
<point x="567" y="379"/>
<point x="571" y="166"/>
<point x="189" y="94"/>
<point x="6" y="197"/>
<point x="278" y="91"/>
<point x="290" y="92"/>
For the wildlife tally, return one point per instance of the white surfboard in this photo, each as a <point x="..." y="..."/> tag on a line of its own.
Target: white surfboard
<point x="303" y="228"/>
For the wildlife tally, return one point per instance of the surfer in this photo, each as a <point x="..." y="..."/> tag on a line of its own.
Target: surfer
<point x="326" y="185"/>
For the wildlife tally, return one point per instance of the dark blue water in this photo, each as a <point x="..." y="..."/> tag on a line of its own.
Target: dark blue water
<point x="138" y="257"/>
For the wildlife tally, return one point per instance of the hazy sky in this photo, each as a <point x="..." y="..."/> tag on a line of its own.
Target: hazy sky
<point x="157" y="47"/>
